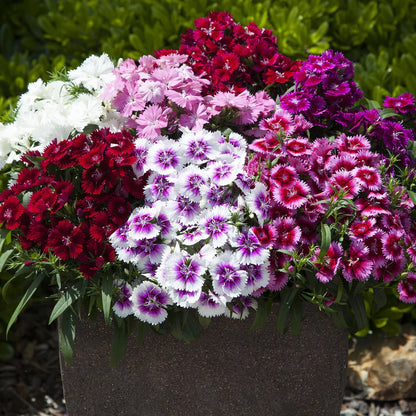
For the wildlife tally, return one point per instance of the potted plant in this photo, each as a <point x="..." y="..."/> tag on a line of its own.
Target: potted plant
<point x="200" y="185"/>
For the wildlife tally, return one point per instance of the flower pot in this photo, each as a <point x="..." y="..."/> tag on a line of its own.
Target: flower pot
<point x="227" y="371"/>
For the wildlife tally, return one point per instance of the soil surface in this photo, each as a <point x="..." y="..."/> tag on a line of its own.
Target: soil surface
<point x="30" y="383"/>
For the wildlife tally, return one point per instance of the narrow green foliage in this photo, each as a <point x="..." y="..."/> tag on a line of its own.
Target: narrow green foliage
<point x="67" y="335"/>
<point x="29" y="293"/>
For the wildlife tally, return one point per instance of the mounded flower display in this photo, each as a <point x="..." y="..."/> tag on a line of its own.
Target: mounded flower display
<point x="216" y="179"/>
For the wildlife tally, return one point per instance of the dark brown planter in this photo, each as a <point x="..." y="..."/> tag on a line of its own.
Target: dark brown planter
<point x="226" y="372"/>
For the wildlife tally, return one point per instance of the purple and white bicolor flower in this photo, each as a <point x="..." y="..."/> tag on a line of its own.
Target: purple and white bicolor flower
<point x="192" y="183"/>
<point x="160" y="187"/>
<point x="210" y="305"/>
<point x="191" y="235"/>
<point x="148" y="249"/>
<point x="183" y="272"/>
<point x="185" y="210"/>
<point x="240" y="307"/>
<point x="224" y="172"/>
<point x="227" y="277"/>
<point x="216" y="225"/>
<point x="142" y="223"/>
<point x="123" y="306"/>
<point x="198" y="146"/>
<point x="258" y="276"/>
<point x="141" y="150"/>
<point x="120" y="238"/>
<point x="164" y="157"/>
<point x="258" y="202"/>
<point x="248" y="248"/>
<point x="149" y="303"/>
<point x="184" y="298"/>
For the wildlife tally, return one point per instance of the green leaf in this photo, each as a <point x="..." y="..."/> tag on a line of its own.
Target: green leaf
<point x="142" y="329"/>
<point x="412" y="196"/>
<point x="372" y="104"/>
<point x="380" y="298"/>
<point x="296" y="317"/>
<point x="392" y="328"/>
<point x="67" y="299"/>
<point x="29" y="293"/>
<point x="287" y="299"/>
<point x="262" y="312"/>
<point x="325" y="239"/>
<point x="4" y="257"/>
<point x="22" y="269"/>
<point x="119" y="345"/>
<point x="339" y="319"/>
<point x="380" y="322"/>
<point x="204" y="321"/>
<point x="106" y="294"/>
<point x="190" y="329"/>
<point x="358" y="308"/>
<point x="4" y="235"/>
<point x="319" y="33"/>
<point x="67" y="335"/>
<point x="387" y="112"/>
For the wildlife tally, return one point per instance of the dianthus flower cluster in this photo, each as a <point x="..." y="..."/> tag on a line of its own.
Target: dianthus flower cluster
<point x="193" y="238"/>
<point x="339" y="184"/>
<point x="227" y="176"/>
<point x="60" y="108"/>
<point x="158" y="96"/>
<point x="68" y="199"/>
<point x="233" y="57"/>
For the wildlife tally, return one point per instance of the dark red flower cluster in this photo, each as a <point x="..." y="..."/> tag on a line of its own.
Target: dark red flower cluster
<point x="234" y="57"/>
<point x="70" y="198"/>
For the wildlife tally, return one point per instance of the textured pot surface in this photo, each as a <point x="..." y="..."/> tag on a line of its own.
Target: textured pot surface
<point x="226" y="372"/>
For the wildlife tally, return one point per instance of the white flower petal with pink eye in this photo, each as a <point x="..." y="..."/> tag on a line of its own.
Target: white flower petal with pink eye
<point x="142" y="148"/>
<point x="259" y="203"/>
<point x="248" y="249"/>
<point x="223" y="173"/>
<point x="168" y="225"/>
<point x="183" y="272"/>
<point x="120" y="238"/>
<point x="160" y="187"/>
<point x="227" y="277"/>
<point x="123" y="305"/>
<point x="216" y="226"/>
<point x="184" y="298"/>
<point x="240" y="307"/>
<point x="210" y="305"/>
<point x="185" y="210"/>
<point x="198" y="146"/>
<point x="191" y="235"/>
<point x="192" y="183"/>
<point x="258" y="276"/>
<point x="145" y="251"/>
<point x="127" y="254"/>
<point x="164" y="157"/>
<point x="142" y="224"/>
<point x="149" y="303"/>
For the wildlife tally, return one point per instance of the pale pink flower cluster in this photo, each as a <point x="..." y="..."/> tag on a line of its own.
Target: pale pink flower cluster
<point x="159" y="95"/>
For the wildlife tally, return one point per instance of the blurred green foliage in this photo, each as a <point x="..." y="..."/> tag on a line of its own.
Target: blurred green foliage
<point x="39" y="37"/>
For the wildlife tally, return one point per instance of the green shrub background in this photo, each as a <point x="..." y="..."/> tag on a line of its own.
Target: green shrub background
<point x="40" y="37"/>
